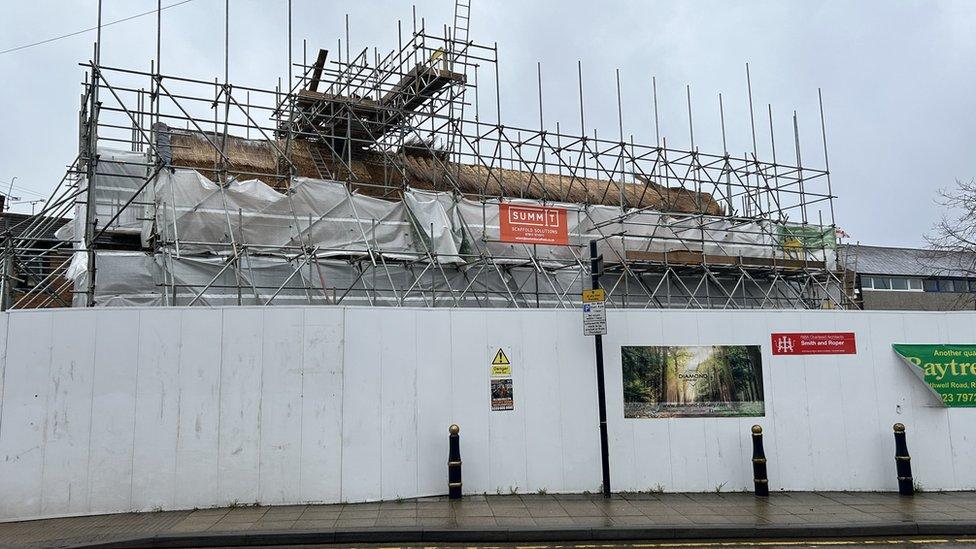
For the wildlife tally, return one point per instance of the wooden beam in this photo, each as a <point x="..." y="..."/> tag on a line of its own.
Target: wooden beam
<point x="313" y="85"/>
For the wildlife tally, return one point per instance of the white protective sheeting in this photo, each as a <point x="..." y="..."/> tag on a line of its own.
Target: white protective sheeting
<point x="323" y="215"/>
<point x="725" y="237"/>
<point x="199" y="220"/>
<point x="140" y="279"/>
<point x="433" y="213"/>
<point x="314" y="214"/>
<point x="116" y="410"/>
<point x="119" y="176"/>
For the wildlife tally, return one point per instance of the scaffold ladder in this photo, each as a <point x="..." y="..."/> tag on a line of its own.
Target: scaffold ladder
<point x="462" y="19"/>
<point x="459" y="55"/>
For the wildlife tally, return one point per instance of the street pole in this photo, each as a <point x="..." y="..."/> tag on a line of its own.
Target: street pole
<point x="595" y="268"/>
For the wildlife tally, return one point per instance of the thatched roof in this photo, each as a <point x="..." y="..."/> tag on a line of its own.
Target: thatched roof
<point x="375" y="175"/>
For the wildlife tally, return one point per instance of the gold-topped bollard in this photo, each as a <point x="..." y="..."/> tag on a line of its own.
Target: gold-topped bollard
<point x="903" y="462"/>
<point x="759" y="463"/>
<point x="454" y="463"/>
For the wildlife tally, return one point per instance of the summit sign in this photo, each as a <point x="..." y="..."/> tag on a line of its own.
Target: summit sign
<point x="532" y="225"/>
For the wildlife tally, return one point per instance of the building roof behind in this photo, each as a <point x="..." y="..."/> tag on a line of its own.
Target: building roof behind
<point x="17" y="224"/>
<point x="881" y="260"/>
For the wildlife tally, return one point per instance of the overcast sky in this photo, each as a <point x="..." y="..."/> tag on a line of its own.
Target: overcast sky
<point x="898" y="78"/>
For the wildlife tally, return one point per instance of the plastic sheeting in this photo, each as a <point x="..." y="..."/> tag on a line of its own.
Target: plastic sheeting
<point x="294" y="246"/>
<point x="119" y="176"/>
<point x="140" y="279"/>
<point x="314" y="214"/>
<point x="325" y="217"/>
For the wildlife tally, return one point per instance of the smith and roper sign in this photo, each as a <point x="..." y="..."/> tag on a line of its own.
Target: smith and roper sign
<point x="814" y="343"/>
<point x="532" y="225"/>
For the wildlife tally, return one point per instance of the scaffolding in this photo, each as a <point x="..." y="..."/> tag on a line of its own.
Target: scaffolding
<point x="372" y="179"/>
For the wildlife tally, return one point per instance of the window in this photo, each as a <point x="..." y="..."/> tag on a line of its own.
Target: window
<point x="893" y="283"/>
<point x="899" y="283"/>
<point x="948" y="285"/>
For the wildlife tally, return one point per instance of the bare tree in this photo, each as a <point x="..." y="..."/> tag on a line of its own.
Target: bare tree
<point x="954" y="235"/>
<point x="956" y="230"/>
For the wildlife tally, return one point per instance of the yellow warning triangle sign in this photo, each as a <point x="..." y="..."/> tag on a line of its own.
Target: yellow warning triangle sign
<point x="500" y="359"/>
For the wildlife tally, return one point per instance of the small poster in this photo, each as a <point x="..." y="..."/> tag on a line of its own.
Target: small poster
<point x="698" y="381"/>
<point x="501" y="395"/>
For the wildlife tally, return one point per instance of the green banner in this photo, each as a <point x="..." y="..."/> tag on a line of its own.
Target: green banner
<point x="948" y="370"/>
<point x="806" y="237"/>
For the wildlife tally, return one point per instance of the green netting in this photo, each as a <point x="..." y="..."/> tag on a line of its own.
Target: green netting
<point x="806" y="237"/>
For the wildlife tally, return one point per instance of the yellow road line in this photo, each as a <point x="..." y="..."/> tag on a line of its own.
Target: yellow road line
<point x="664" y="545"/>
<point x="794" y="542"/>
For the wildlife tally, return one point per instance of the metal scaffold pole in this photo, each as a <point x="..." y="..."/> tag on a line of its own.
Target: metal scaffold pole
<point x="691" y="229"/>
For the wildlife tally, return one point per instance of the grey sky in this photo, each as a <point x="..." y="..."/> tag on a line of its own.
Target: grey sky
<point x="897" y="78"/>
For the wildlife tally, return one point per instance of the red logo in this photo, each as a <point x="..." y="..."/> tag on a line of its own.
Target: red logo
<point x="532" y="225"/>
<point x="814" y="343"/>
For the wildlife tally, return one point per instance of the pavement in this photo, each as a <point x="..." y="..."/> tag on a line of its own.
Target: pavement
<point x="519" y="518"/>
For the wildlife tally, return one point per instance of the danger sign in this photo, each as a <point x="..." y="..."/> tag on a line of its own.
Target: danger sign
<point x="532" y="225"/>
<point x="814" y="343"/>
<point x="500" y="365"/>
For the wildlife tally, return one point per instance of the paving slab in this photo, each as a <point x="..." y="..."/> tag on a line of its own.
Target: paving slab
<point x="513" y="518"/>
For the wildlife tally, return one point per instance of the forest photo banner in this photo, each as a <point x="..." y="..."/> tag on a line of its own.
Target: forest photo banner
<point x="692" y="381"/>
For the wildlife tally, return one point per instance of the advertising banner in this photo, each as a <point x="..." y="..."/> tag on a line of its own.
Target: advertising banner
<point x="814" y="343"/>
<point x="700" y="381"/>
<point x="532" y="225"/>
<point x="949" y="371"/>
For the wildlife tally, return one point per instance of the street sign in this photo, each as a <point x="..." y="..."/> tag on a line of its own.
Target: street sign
<point x="592" y="296"/>
<point x="594" y="312"/>
<point x="532" y="225"/>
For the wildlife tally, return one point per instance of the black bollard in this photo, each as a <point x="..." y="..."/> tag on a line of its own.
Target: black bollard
<point x="903" y="462"/>
<point x="759" y="463"/>
<point x="454" y="464"/>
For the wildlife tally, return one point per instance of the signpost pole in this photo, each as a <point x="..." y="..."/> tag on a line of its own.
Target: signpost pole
<point x="595" y="268"/>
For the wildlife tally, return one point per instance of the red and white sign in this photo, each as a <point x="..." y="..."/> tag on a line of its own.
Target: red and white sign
<point x="815" y="343"/>
<point x="532" y="225"/>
